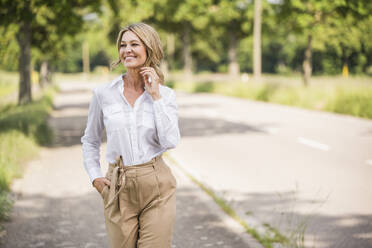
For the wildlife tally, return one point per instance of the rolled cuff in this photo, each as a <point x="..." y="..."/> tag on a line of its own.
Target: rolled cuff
<point x="94" y="173"/>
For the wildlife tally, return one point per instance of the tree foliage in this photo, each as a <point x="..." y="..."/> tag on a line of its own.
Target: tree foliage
<point x="197" y="35"/>
<point x="42" y="24"/>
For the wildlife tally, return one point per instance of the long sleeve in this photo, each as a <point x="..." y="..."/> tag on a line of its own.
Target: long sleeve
<point x="92" y="139"/>
<point x="166" y="121"/>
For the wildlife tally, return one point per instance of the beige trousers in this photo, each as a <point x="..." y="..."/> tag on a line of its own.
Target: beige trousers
<point x="140" y="205"/>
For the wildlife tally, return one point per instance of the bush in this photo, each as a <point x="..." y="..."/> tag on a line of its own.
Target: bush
<point x="265" y="93"/>
<point x="204" y="87"/>
<point x="6" y="204"/>
<point x="15" y="147"/>
<point x="369" y="70"/>
<point x="29" y="119"/>
<point x="170" y="84"/>
<point x="354" y="102"/>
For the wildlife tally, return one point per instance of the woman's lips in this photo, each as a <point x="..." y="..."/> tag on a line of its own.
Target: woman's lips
<point x="130" y="57"/>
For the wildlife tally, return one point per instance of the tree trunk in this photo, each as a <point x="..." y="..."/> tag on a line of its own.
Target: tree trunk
<point x="44" y="74"/>
<point x="86" y="63"/>
<point x="171" y="47"/>
<point x="307" y="64"/>
<point x="234" y="69"/>
<point x="257" y="40"/>
<point x="187" y="53"/>
<point x="24" y="63"/>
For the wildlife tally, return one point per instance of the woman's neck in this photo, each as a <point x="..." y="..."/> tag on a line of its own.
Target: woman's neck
<point x="133" y="79"/>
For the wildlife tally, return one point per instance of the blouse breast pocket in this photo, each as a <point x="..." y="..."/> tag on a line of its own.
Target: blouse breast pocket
<point x="148" y="117"/>
<point x="114" y="117"/>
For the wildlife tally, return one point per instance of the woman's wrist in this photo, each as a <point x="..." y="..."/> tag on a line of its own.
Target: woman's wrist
<point x="156" y="96"/>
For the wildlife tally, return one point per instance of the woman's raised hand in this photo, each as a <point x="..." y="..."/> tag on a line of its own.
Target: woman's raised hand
<point x="151" y="79"/>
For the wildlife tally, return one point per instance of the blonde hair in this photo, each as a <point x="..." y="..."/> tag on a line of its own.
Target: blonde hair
<point x="151" y="40"/>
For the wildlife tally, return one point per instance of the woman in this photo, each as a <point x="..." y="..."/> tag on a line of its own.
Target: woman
<point x="139" y="114"/>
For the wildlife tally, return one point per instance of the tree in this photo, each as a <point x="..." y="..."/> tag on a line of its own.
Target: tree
<point x="186" y="20"/>
<point x="231" y="17"/>
<point x="41" y="23"/>
<point x="257" y="39"/>
<point x="189" y="20"/>
<point x="307" y="17"/>
<point x="348" y="39"/>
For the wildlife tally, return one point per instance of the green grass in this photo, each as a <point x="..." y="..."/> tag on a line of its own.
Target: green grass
<point x="338" y="95"/>
<point x="29" y="119"/>
<point x="8" y="85"/>
<point x="22" y="130"/>
<point x="353" y="101"/>
<point x="7" y="88"/>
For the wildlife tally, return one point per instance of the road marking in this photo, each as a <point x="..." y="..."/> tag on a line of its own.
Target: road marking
<point x="313" y="143"/>
<point x="369" y="162"/>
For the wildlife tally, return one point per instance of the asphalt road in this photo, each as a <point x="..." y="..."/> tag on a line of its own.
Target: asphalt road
<point x="56" y="206"/>
<point x="302" y="172"/>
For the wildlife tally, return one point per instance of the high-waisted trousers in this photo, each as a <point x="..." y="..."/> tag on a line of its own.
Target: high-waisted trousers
<point x="140" y="204"/>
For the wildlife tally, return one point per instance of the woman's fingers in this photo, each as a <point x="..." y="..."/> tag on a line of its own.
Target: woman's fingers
<point x="107" y="182"/>
<point x="148" y="76"/>
<point x="101" y="183"/>
<point x="150" y="72"/>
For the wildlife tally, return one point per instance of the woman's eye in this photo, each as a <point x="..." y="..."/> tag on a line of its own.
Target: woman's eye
<point x="122" y="45"/>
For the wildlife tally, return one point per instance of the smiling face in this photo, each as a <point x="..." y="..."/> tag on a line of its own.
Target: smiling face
<point x="132" y="51"/>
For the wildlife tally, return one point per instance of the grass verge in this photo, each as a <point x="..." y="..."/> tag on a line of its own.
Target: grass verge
<point x="348" y="98"/>
<point x="22" y="130"/>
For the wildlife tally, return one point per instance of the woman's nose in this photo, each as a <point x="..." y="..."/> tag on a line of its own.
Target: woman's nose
<point x="128" y="48"/>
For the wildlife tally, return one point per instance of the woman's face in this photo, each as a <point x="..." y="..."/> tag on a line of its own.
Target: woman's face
<point x="132" y="51"/>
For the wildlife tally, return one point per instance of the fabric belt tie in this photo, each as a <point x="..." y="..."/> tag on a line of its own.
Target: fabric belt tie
<point x="117" y="181"/>
<point x="118" y="178"/>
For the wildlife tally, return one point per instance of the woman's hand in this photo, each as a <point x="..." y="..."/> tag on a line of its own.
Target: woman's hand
<point x="100" y="182"/>
<point x="151" y="79"/>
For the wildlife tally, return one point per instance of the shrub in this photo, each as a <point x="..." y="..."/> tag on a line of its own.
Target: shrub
<point x="352" y="101"/>
<point x="204" y="87"/>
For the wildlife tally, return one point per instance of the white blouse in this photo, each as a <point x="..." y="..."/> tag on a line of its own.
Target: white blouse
<point x="138" y="133"/>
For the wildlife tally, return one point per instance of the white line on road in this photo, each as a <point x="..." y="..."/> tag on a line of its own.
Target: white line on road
<point x="313" y="143"/>
<point x="369" y="162"/>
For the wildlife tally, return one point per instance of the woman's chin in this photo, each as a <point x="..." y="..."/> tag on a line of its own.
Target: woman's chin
<point x="132" y="65"/>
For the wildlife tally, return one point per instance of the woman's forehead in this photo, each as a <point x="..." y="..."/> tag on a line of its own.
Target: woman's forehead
<point x="129" y="36"/>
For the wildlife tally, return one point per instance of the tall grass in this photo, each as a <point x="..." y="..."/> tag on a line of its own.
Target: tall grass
<point x="339" y="97"/>
<point x="29" y="119"/>
<point x="8" y="85"/>
<point x="22" y="130"/>
<point x="6" y="89"/>
<point x="357" y="102"/>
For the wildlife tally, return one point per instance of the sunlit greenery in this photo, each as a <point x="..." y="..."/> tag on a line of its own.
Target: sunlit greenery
<point x="346" y="96"/>
<point x="22" y="130"/>
<point x="339" y="39"/>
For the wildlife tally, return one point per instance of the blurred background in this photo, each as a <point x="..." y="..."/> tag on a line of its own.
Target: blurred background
<point x="279" y="41"/>
<point x="286" y="164"/>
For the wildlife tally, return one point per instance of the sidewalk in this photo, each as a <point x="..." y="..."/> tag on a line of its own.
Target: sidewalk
<point x="57" y="207"/>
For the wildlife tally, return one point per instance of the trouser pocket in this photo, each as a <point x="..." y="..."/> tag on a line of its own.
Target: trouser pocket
<point x="167" y="181"/>
<point x="104" y="193"/>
